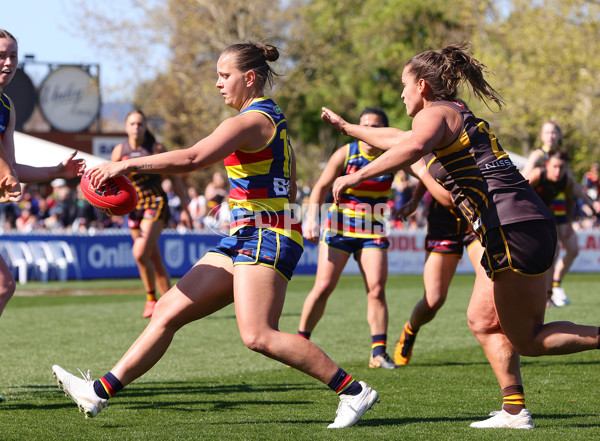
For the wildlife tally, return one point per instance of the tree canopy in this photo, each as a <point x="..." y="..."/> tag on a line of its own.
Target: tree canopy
<point x="349" y="54"/>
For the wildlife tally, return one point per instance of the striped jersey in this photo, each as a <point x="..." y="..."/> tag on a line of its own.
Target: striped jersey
<point x="148" y="186"/>
<point x="361" y="211"/>
<point x="548" y="190"/>
<point x="4" y="113"/>
<point x="485" y="184"/>
<point x="559" y="204"/>
<point x="259" y="192"/>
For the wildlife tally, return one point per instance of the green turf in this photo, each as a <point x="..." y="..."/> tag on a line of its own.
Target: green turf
<point x="209" y="386"/>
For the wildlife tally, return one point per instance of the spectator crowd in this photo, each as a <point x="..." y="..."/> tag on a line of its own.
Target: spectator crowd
<point x="60" y="206"/>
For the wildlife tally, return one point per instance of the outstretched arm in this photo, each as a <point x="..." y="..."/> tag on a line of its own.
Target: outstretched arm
<point x="381" y="137"/>
<point x="243" y="131"/>
<point x="428" y="131"/>
<point x="69" y="168"/>
<point x="440" y="194"/>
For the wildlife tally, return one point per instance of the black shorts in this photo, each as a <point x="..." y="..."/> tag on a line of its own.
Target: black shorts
<point x="525" y="247"/>
<point x="451" y="245"/>
<point x="159" y="213"/>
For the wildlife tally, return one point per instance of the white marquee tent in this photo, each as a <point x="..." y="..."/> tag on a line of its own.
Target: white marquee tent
<point x="37" y="152"/>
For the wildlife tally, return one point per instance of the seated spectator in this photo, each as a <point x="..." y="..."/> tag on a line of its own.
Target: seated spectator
<point x="26" y="221"/>
<point x="215" y="193"/>
<point x="197" y="208"/>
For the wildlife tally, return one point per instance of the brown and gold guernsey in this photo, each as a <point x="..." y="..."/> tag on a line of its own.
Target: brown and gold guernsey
<point x="485" y="185"/>
<point x="548" y="190"/>
<point x="148" y="186"/>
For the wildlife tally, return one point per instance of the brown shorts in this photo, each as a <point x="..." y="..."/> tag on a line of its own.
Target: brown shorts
<point x="159" y="213"/>
<point x="525" y="247"/>
<point x="452" y="245"/>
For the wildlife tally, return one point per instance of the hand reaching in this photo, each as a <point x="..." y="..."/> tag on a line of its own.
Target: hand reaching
<point x="10" y="189"/>
<point x="103" y="172"/>
<point x="71" y="168"/>
<point x="334" y="119"/>
<point x="343" y="183"/>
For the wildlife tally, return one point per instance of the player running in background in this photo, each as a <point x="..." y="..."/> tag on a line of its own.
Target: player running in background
<point x="249" y="268"/>
<point x="549" y="181"/>
<point x="552" y="137"/>
<point x="354" y="227"/>
<point x="151" y="215"/>
<point x="448" y="233"/>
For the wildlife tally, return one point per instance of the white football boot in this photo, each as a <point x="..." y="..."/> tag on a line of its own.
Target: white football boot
<point x="80" y="390"/>
<point x="352" y="407"/>
<point x="504" y="420"/>
<point x="559" y="297"/>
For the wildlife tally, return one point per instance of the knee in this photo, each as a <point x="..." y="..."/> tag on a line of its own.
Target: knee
<point x="139" y="254"/>
<point x="377" y="293"/>
<point x="164" y="320"/>
<point x="256" y="341"/>
<point x="434" y="304"/>
<point x="573" y="250"/>
<point x="480" y="326"/>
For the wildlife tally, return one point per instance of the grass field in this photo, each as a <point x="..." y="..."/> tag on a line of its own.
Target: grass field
<point x="210" y="387"/>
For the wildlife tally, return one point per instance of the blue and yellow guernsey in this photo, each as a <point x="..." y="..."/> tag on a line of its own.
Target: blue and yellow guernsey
<point x="485" y="184"/>
<point x="361" y="210"/>
<point x="259" y="180"/>
<point x="5" y="110"/>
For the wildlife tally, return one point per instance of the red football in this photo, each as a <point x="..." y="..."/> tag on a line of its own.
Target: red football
<point x="117" y="196"/>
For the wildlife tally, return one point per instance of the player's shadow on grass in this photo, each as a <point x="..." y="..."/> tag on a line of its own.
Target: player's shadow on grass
<point x="524" y="362"/>
<point x="49" y="397"/>
<point x="142" y="389"/>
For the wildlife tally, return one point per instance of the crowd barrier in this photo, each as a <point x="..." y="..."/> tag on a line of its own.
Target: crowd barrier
<point x="107" y="254"/>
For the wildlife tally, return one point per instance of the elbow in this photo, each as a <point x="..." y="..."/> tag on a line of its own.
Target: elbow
<point x="448" y="204"/>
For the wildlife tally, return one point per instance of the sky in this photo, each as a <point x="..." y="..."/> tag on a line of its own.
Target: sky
<point x="41" y="29"/>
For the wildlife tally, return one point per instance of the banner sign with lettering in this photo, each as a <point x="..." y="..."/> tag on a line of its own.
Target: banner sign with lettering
<point x="108" y="254"/>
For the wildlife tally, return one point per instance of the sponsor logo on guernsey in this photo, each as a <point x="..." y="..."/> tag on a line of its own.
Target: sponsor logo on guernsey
<point x="505" y="162"/>
<point x="276" y="109"/>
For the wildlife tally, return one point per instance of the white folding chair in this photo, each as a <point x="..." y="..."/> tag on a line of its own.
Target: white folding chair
<point x="65" y="257"/>
<point x="43" y="260"/>
<point x="21" y="260"/>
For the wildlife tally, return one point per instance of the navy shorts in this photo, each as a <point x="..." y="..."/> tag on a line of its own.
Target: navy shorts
<point x="525" y="247"/>
<point x="261" y="246"/>
<point x="352" y="245"/>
